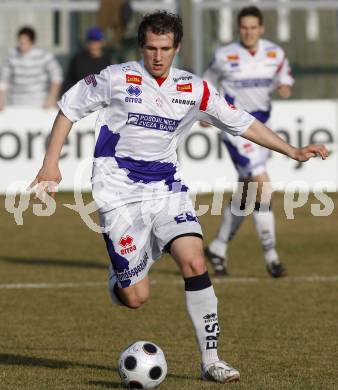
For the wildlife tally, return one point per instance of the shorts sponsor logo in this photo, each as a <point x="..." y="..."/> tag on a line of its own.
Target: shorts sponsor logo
<point x="152" y="122"/>
<point x="135" y="271"/>
<point x="184" y="87"/>
<point x="90" y="79"/>
<point x="188" y="216"/>
<point x="183" y="101"/>
<point x="127" y="245"/>
<point x="133" y="79"/>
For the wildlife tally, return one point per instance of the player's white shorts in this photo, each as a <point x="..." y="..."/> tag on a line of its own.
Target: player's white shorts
<point x="138" y="233"/>
<point x="249" y="158"/>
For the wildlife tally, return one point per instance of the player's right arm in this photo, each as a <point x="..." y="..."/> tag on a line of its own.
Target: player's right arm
<point x="50" y="172"/>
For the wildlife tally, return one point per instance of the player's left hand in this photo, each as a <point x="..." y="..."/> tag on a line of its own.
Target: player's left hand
<point x="310" y="151"/>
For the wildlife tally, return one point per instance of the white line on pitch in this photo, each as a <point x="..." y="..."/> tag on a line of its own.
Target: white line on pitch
<point x="50" y="285"/>
<point x="239" y="280"/>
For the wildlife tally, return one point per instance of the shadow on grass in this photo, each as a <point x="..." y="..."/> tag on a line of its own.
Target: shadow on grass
<point x="115" y="385"/>
<point x="107" y="385"/>
<point x="54" y="262"/>
<point x="30" y="361"/>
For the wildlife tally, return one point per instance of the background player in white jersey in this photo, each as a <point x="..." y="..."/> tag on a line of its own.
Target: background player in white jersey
<point x="247" y="73"/>
<point x="144" y="110"/>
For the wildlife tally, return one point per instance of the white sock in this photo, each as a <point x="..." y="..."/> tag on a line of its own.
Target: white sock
<point x="202" y="308"/>
<point x="229" y="226"/>
<point x="265" y="225"/>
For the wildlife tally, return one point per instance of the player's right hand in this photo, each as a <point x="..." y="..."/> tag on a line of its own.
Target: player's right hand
<point x="46" y="181"/>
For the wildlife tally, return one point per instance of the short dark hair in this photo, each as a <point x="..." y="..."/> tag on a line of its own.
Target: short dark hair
<point x="250" y="11"/>
<point x="29" y="31"/>
<point x="161" y="22"/>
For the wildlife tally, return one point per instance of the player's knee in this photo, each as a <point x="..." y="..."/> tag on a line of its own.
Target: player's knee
<point x="197" y="266"/>
<point x="136" y="300"/>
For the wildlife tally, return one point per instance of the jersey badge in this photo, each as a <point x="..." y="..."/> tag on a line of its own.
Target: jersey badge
<point x="133" y="79"/>
<point x="159" y="101"/>
<point x="271" y="54"/>
<point x="184" y="87"/>
<point x="90" y="79"/>
<point x="134" y="91"/>
<point x="233" y="57"/>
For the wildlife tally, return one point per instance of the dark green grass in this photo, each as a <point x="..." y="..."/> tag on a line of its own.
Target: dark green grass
<point x="281" y="334"/>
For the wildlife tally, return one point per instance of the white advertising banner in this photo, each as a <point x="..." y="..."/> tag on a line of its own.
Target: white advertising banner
<point x="204" y="160"/>
<point x="207" y="166"/>
<point x="23" y="139"/>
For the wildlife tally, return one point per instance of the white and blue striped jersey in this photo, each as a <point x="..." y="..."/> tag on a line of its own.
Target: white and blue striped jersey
<point x="248" y="80"/>
<point x="140" y="125"/>
<point x="27" y="76"/>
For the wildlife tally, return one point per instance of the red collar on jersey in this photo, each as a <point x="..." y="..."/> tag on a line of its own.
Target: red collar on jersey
<point x="160" y="80"/>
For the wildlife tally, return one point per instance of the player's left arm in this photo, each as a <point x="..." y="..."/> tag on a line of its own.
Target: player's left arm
<point x="215" y="110"/>
<point x="262" y="135"/>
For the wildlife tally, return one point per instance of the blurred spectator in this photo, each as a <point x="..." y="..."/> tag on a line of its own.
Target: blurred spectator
<point x="29" y="75"/>
<point x="92" y="59"/>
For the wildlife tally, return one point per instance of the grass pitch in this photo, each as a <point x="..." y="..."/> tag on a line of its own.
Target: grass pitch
<point x="58" y="329"/>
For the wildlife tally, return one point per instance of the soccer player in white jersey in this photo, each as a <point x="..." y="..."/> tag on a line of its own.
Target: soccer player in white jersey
<point x="247" y="73"/>
<point x="145" y="108"/>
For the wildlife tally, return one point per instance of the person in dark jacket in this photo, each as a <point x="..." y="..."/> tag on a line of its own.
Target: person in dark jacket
<point x="91" y="60"/>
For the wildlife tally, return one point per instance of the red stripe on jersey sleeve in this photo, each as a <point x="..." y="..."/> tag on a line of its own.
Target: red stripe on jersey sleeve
<point x="281" y="65"/>
<point x="205" y="97"/>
